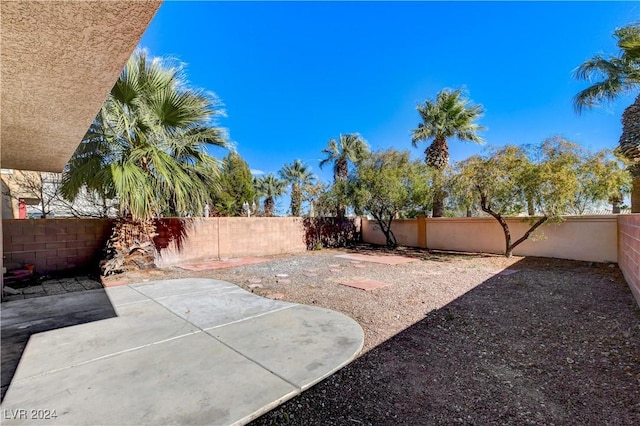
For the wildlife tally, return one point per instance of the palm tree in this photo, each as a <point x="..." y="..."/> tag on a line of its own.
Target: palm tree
<point x="349" y="148"/>
<point x="448" y="116"/>
<point x="617" y="75"/>
<point x="270" y="187"/>
<point x="298" y="175"/>
<point x="147" y="147"/>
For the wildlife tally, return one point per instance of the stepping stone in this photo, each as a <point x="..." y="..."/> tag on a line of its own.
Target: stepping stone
<point x="366" y="284"/>
<point x="359" y="266"/>
<point x="254" y="286"/>
<point x="335" y="270"/>
<point x="333" y="265"/>
<point x="282" y="275"/>
<point x="355" y="262"/>
<point x="254" y="281"/>
<point x="276" y="296"/>
<point x="311" y="270"/>
<point x="310" y="275"/>
<point x="283" y="281"/>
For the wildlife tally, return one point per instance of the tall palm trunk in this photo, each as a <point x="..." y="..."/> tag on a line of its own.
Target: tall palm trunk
<point x="437" y="156"/>
<point x="130" y="247"/>
<point x="268" y="206"/>
<point x="296" y="200"/>
<point x="635" y="195"/>
<point x="340" y="175"/>
<point x="630" y="147"/>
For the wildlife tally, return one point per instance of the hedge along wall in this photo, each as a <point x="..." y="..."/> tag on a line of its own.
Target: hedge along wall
<point x="588" y="238"/>
<point x="629" y="251"/>
<point x="55" y="244"/>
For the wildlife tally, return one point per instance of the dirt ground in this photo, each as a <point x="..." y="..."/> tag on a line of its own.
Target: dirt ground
<point x="453" y="341"/>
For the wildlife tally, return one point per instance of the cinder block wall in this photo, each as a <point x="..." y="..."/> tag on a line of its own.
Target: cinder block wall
<point x="629" y="251"/>
<point x="55" y="244"/>
<point x="260" y="236"/>
<point x="182" y="240"/>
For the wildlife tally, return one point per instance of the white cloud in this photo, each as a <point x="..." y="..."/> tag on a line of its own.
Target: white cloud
<point x="256" y="172"/>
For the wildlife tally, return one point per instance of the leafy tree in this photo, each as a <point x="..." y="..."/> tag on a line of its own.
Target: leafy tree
<point x="601" y="178"/>
<point x="270" y="187"/>
<point x="147" y="147"/>
<point x="556" y="176"/>
<point x="234" y="187"/>
<point x="387" y="184"/>
<point x="615" y="76"/>
<point x="348" y="148"/>
<point x="298" y="175"/>
<point x="449" y="115"/>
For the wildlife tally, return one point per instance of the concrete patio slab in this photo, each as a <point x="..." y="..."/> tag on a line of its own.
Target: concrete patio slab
<point x="124" y="295"/>
<point x="219" y="264"/>
<point x="155" y="364"/>
<point x="182" y="287"/>
<point x="71" y="346"/>
<point x="220" y="307"/>
<point x="265" y="341"/>
<point x="193" y="380"/>
<point x="384" y="259"/>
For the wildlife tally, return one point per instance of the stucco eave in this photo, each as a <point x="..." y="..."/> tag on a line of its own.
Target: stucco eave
<point x="59" y="60"/>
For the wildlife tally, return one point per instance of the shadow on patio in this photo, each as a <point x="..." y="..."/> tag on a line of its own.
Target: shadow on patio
<point x="536" y="346"/>
<point x="22" y="318"/>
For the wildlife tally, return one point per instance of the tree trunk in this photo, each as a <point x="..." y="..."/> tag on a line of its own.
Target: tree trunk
<point x="508" y="252"/>
<point x="295" y="200"/>
<point x="635" y="195"/>
<point x="268" y="206"/>
<point x="438" y="204"/>
<point x="130" y="247"/>
<point x="615" y="208"/>
<point x="531" y="210"/>
<point x="630" y="137"/>
<point x="438" y="194"/>
<point x="630" y="147"/>
<point x="469" y="212"/>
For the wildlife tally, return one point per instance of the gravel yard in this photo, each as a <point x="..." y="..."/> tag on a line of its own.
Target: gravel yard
<point x="453" y="341"/>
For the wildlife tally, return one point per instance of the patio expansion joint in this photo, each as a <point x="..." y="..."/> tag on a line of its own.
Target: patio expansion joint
<point x="190" y="293"/>
<point x="111" y="355"/>
<point x="259" y="364"/>
<point x="200" y="329"/>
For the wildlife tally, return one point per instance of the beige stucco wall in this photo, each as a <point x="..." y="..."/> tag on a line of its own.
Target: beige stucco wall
<point x="588" y="238"/>
<point x="227" y="237"/>
<point x="405" y="231"/>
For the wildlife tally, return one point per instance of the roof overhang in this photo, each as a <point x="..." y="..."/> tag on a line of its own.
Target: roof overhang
<point x="59" y="60"/>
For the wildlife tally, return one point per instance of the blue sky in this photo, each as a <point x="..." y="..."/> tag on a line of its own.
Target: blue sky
<point x="292" y="75"/>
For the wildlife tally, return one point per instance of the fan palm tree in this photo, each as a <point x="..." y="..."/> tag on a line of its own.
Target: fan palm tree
<point x="147" y="147"/>
<point x="448" y="116"/>
<point x="298" y="175"/>
<point x="270" y="187"/>
<point x="617" y="75"/>
<point x="349" y="148"/>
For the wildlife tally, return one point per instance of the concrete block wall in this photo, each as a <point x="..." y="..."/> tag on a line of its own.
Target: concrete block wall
<point x="55" y="244"/>
<point x="225" y="237"/>
<point x="629" y="251"/>
<point x="181" y="240"/>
